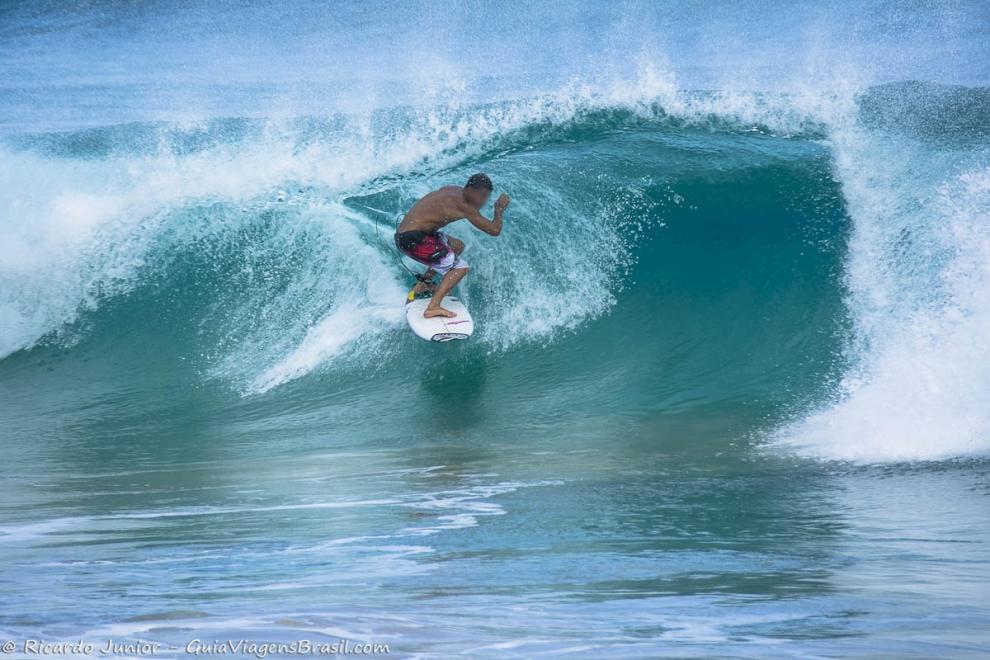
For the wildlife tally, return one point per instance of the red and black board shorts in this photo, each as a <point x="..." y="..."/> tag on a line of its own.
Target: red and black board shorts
<point x="430" y="249"/>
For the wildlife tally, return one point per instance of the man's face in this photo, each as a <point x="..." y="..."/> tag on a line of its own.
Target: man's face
<point x="477" y="197"/>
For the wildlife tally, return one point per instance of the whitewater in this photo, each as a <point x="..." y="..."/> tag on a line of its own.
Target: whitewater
<point x="730" y="372"/>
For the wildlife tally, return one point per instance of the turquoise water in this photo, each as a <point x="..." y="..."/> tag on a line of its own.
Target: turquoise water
<point x="727" y="394"/>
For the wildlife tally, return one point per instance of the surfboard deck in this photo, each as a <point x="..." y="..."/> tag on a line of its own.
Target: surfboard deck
<point x="438" y="328"/>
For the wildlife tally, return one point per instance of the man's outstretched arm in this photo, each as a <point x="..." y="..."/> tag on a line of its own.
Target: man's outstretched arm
<point x="492" y="227"/>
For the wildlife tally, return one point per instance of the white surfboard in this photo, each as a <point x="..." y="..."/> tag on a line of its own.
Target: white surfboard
<point x="438" y="328"/>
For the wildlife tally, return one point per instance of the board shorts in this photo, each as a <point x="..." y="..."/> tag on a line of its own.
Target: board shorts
<point x="431" y="250"/>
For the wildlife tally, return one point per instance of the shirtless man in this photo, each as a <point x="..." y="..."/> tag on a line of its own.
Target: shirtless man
<point x="419" y="236"/>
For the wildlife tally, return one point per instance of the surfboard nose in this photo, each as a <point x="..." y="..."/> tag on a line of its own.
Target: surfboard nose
<point x="448" y="336"/>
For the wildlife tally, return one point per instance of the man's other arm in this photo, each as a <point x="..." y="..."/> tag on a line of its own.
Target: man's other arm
<point x="491" y="227"/>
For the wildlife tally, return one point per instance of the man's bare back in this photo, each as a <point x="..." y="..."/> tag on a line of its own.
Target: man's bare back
<point x="419" y="236"/>
<point x="435" y="210"/>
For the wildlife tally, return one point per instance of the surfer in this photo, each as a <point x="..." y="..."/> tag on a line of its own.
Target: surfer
<point x="420" y="238"/>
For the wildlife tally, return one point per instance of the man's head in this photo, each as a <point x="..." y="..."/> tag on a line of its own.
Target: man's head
<point x="477" y="190"/>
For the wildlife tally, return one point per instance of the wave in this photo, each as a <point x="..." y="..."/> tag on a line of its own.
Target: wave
<point x="85" y="209"/>
<point x="842" y="243"/>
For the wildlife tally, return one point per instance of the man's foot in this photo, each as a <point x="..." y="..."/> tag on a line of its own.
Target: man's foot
<point x="432" y="311"/>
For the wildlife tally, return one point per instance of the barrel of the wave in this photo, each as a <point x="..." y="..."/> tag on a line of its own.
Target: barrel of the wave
<point x="438" y="328"/>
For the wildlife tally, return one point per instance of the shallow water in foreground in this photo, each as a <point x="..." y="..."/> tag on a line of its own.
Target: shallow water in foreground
<point x="545" y="539"/>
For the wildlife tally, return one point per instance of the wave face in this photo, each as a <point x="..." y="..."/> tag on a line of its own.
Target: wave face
<point x="813" y="252"/>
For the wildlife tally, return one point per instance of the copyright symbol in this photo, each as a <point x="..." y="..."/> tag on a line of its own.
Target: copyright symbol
<point x="9" y="646"/>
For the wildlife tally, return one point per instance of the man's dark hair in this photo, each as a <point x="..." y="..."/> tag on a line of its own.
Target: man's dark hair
<point x="479" y="180"/>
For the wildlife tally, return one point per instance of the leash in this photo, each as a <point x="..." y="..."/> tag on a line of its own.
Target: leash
<point x="391" y="248"/>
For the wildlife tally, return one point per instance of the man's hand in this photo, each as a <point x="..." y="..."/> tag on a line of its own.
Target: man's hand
<point x="502" y="202"/>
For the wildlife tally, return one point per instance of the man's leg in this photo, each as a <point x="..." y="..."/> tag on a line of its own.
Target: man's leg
<point x="452" y="277"/>
<point x="426" y="284"/>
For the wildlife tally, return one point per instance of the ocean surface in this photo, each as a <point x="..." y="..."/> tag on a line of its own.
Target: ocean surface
<point x="729" y="393"/>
